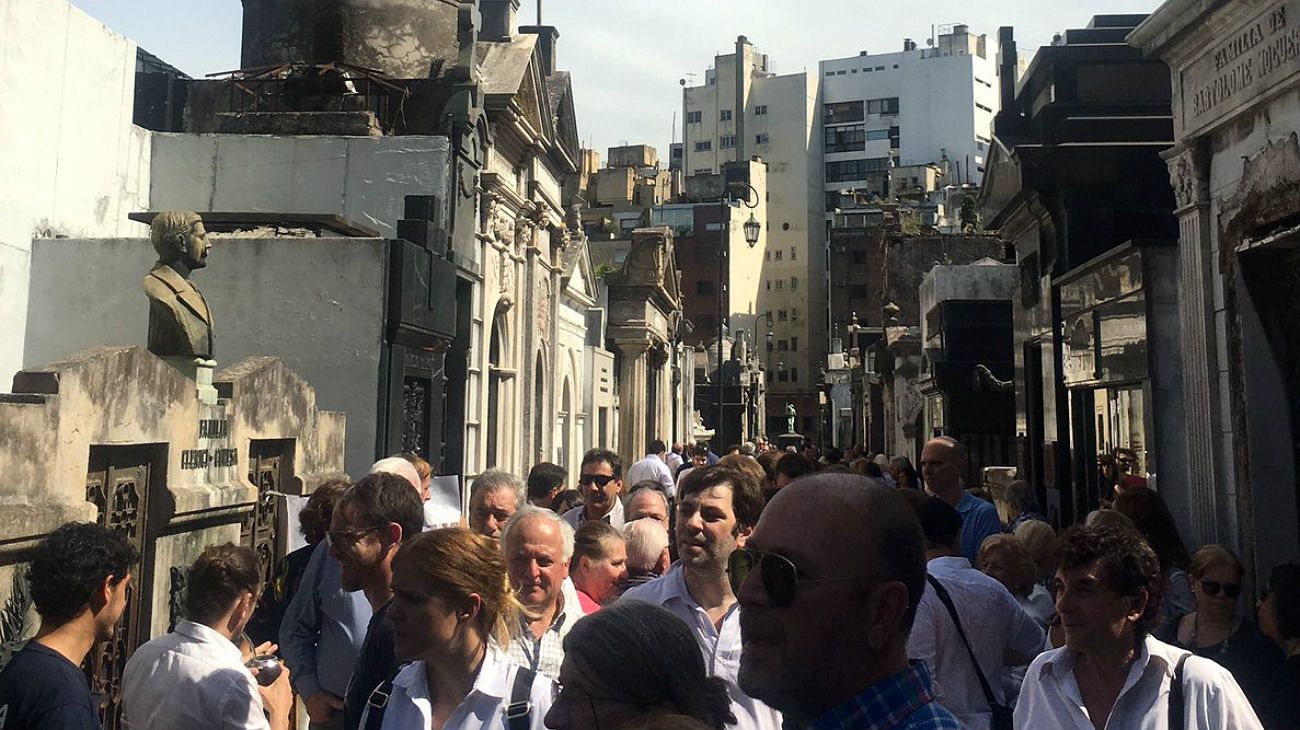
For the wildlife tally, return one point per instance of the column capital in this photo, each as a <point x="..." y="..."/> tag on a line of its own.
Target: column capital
<point x="1189" y="174"/>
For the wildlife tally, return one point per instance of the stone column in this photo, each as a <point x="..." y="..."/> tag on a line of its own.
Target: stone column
<point x="1189" y="174"/>
<point x="633" y="370"/>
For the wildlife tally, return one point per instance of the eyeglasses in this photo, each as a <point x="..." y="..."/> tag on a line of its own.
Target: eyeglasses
<point x="780" y="577"/>
<point x="1212" y="588"/>
<point x="599" y="480"/>
<point x="348" y="538"/>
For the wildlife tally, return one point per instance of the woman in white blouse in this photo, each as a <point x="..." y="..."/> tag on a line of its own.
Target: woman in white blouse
<point x="452" y="612"/>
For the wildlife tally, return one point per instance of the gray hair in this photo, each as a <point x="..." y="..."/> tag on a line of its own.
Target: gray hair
<point x="528" y="512"/>
<point x="498" y="480"/>
<point x="647" y="539"/>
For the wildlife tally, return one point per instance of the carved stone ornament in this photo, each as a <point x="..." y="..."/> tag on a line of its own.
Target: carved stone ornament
<point x="645" y="261"/>
<point x="507" y="277"/>
<point x="1183" y="176"/>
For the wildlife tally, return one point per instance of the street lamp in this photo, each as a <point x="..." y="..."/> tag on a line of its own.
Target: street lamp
<point x="753" y="230"/>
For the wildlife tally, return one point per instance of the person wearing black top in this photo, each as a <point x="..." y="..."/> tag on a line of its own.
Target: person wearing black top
<point x="372" y="519"/>
<point x="1279" y="619"/>
<point x="1216" y="631"/>
<point x="79" y="580"/>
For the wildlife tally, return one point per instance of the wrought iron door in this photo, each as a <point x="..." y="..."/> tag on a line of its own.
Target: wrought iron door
<point x="117" y="483"/>
<point x="269" y="464"/>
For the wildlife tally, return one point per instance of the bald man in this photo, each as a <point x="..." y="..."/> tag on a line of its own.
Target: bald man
<point x="837" y="568"/>
<point x="943" y="461"/>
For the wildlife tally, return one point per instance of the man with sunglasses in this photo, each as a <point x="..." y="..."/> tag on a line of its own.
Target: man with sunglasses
<point x="717" y="508"/>
<point x="1111" y="671"/>
<point x="601" y="482"/>
<point x="836" y="568"/>
<point x="372" y="519"/>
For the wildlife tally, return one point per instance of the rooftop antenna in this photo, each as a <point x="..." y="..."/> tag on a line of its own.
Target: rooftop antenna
<point x="539" y="12"/>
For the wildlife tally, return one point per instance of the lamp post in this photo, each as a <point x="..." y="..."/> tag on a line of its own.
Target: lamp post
<point x="857" y="330"/>
<point x="752" y="229"/>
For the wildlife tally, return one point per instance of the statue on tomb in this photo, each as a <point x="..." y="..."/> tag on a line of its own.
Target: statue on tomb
<point x="180" y="323"/>
<point x="790" y="414"/>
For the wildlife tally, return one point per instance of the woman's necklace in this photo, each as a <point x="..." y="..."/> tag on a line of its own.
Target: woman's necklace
<point x="1222" y="651"/>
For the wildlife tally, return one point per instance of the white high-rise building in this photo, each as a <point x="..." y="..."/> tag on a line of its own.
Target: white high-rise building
<point x="917" y="106"/>
<point x="742" y="111"/>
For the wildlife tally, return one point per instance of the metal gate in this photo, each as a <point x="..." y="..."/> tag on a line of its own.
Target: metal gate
<point x="270" y="463"/>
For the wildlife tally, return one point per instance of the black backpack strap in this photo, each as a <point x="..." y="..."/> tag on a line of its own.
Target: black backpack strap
<point x="952" y="611"/>
<point x="1177" y="703"/>
<point x="376" y="704"/>
<point x="520" y="707"/>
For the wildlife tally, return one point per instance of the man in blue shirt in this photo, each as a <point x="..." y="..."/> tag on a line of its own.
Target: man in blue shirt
<point x="79" y="580"/>
<point x="943" y="461"/>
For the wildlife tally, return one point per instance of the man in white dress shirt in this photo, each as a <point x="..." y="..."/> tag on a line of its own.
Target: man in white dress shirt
<point x="716" y="510"/>
<point x="601" y="482"/>
<point x="195" y="677"/>
<point x="998" y="629"/>
<point x="1111" y="671"/>
<point x="653" y="468"/>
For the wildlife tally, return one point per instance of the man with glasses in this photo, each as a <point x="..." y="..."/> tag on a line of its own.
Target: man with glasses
<point x="829" y="583"/>
<point x="372" y="519"/>
<point x="600" y="481"/>
<point x="495" y="495"/>
<point x="716" y="511"/>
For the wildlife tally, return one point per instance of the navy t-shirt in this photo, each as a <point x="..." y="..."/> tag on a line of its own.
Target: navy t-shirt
<point x="41" y="690"/>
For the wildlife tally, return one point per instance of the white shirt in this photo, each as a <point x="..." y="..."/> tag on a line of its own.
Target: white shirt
<point x="721" y="648"/>
<point x="1050" y="697"/>
<point x="191" y="678"/>
<point x="994" y="623"/>
<point x="576" y="516"/>
<point x="673" y="460"/>
<point x="484" y="708"/>
<point x="652" y="469"/>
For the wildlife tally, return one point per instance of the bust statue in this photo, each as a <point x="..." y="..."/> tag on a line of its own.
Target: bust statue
<point x="180" y="323"/>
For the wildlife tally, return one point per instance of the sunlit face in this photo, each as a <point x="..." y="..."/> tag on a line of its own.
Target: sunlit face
<point x="707" y="531"/>
<point x="488" y="511"/>
<point x="106" y="621"/>
<point x="1096" y="618"/>
<point x="196" y="246"/>
<point x="940" y="466"/>
<point x="600" y="488"/>
<point x="359" y="546"/>
<point x="535" y="561"/>
<point x="601" y="579"/>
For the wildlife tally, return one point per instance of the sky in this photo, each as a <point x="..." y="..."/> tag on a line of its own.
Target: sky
<point x="627" y="57"/>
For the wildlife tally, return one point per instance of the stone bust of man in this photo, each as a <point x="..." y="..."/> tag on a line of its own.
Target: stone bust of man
<point x="180" y="323"/>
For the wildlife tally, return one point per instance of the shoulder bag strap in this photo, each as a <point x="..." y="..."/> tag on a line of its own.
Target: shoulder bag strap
<point x="952" y="611"/>
<point x="521" y="707"/>
<point x="1177" y="711"/>
<point x="377" y="704"/>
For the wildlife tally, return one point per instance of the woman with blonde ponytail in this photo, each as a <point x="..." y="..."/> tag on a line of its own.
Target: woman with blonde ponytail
<point x="453" y="612"/>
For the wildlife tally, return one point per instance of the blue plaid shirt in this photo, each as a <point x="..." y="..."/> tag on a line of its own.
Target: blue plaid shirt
<point x="901" y="702"/>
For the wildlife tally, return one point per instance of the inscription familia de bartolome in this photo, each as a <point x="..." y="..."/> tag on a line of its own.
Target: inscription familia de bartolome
<point x="1264" y="50"/>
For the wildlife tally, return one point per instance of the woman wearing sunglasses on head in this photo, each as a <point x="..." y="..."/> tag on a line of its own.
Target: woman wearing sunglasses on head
<point x="1216" y="630"/>
<point x="635" y="663"/>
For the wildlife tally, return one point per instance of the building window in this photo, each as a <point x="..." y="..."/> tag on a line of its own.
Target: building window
<point x="768" y="284"/>
<point x="704" y="145"/>
<point x="703" y="287"/>
<point x="782" y="346"/>
<point x="858" y="291"/>
<point x="727" y="141"/>
<point x="845" y="139"/>
<point x="704" y="171"/>
<point x="781" y="375"/>
<point x="778" y="255"/>
<point x="781" y="315"/>
<point x="883" y="106"/>
<point x="780" y="284"/>
<point x="794" y="344"/>
<point x="794" y="283"/>
<point x="725" y="115"/>
<point x="760" y="138"/>
<point x="849" y="170"/>
<point x="880" y="68"/>
<point x="876" y="135"/>
<point x="768" y="255"/>
<point x="794" y="254"/>
<point x="760" y="110"/>
<point x="794" y="314"/>
<point x="859" y="257"/>
<point x="843" y="112"/>
<point x="694" y="117"/>
<point x="794" y="374"/>
<point x="981" y="106"/>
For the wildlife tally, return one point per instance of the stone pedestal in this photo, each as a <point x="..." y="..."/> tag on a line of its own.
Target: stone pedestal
<point x="200" y="371"/>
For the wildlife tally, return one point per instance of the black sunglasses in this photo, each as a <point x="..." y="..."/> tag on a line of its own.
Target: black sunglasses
<point x="780" y="577"/>
<point x="346" y="538"/>
<point x="599" y="480"/>
<point x="1212" y="588"/>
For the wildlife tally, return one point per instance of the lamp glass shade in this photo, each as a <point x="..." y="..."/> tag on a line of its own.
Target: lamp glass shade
<point x="752" y="230"/>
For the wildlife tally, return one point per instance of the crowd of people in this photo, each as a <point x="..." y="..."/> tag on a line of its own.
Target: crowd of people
<point x="757" y="589"/>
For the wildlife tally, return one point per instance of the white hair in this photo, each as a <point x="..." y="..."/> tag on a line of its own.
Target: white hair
<point x="528" y="512"/>
<point x="400" y="467"/>
<point x="497" y="480"/>
<point x="647" y="539"/>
